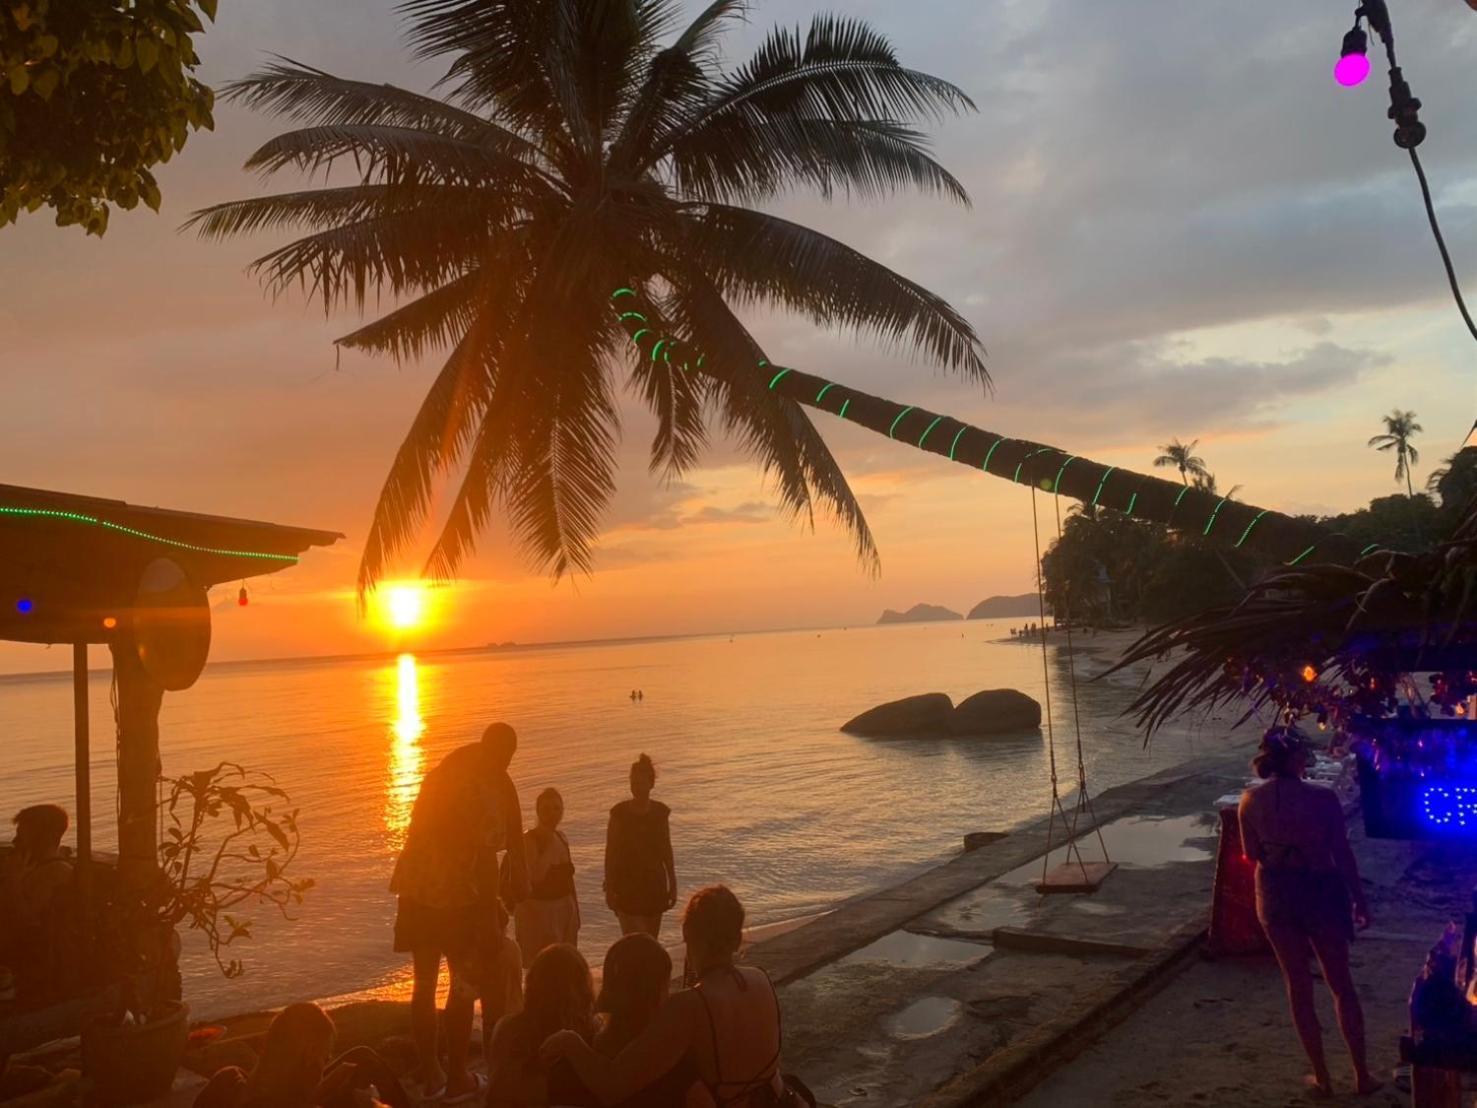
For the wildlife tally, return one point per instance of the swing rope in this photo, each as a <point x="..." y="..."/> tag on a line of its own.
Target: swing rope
<point x="1084" y="798"/>
<point x="1068" y="825"/>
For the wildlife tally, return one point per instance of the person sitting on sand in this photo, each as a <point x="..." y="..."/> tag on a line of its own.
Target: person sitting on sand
<point x="37" y="915"/>
<point x="728" y="1024"/>
<point x="294" y="1070"/>
<point x="447" y="882"/>
<point x="640" y="875"/>
<point x="558" y="995"/>
<point x="551" y="912"/>
<point x="1308" y="895"/>
<point x="635" y="982"/>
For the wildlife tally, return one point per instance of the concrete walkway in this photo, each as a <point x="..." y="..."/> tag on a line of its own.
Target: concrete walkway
<point x="931" y="991"/>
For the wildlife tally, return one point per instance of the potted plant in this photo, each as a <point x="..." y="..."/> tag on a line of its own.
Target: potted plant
<point x="226" y="842"/>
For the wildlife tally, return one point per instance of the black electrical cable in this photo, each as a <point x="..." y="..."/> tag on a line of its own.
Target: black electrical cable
<point x="1456" y="290"/>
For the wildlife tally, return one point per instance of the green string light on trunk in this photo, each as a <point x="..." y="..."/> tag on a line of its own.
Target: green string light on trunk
<point x="844" y="406"/>
<point x="898" y="420"/>
<point x="1245" y="534"/>
<point x="1058" y="483"/>
<point x="776" y="379"/>
<point x="1209" y="523"/>
<point x="618" y="293"/>
<point x="1303" y="555"/>
<point x="827" y="387"/>
<point x="93" y="521"/>
<point x="655" y="349"/>
<point x="1132" y="500"/>
<point x="1367" y="549"/>
<point x="953" y="445"/>
<point x="990" y="454"/>
<point x="1106" y="474"/>
<point x="931" y="426"/>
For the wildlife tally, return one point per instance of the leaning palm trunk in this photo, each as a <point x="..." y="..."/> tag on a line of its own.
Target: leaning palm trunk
<point x="1049" y="468"/>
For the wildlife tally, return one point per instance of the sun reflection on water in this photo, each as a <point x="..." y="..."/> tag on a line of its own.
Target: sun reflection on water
<point x="407" y="757"/>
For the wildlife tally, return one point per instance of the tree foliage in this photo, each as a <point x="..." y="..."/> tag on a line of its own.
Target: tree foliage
<point x="93" y="93"/>
<point x="582" y="146"/>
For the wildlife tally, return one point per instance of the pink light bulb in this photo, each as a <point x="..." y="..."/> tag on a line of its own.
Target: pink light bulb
<point x="1351" y="70"/>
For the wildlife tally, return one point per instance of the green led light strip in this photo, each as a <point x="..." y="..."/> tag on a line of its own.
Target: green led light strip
<point x="845" y="404"/>
<point x="1181" y="496"/>
<point x="931" y="426"/>
<point x="1132" y="500"/>
<point x="827" y="387"/>
<point x="777" y="376"/>
<point x="991" y="454"/>
<point x="636" y="338"/>
<point x="1211" y="521"/>
<point x="1106" y="474"/>
<point x="632" y="315"/>
<point x="1303" y="555"/>
<point x="1027" y="458"/>
<point x="1367" y="549"/>
<point x="955" y="443"/>
<point x="1058" y="483"/>
<point x="1250" y="525"/>
<point x="78" y="517"/>
<point x="618" y="293"/>
<point x="898" y="420"/>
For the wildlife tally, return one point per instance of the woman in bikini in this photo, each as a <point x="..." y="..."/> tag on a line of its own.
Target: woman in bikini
<point x="1308" y="895"/>
<point x="727" y="1025"/>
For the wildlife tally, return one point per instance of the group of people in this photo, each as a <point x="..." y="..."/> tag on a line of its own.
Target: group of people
<point x="468" y="869"/>
<point x="1024" y="632"/>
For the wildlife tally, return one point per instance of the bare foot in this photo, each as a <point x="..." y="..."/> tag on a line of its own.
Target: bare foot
<point x="1318" y="1089"/>
<point x="1367" y="1083"/>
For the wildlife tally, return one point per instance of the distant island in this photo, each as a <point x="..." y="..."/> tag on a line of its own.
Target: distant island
<point x="919" y="613"/>
<point x="997" y="607"/>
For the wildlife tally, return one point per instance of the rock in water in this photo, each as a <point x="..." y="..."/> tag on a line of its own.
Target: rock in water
<point x="928" y="714"/>
<point x="993" y="711"/>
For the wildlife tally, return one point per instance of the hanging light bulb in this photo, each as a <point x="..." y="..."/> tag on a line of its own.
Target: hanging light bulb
<point x="1353" y="64"/>
<point x="241" y="597"/>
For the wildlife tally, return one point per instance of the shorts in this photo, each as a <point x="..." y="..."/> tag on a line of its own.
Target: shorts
<point x="451" y="931"/>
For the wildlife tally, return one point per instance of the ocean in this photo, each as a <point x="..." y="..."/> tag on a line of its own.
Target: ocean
<point x="767" y="795"/>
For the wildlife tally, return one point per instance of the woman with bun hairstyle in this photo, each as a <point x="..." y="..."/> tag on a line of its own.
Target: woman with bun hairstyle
<point x="1309" y="897"/>
<point x="640" y="875"/>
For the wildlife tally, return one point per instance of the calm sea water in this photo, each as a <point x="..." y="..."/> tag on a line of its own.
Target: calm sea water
<point x="767" y="795"/>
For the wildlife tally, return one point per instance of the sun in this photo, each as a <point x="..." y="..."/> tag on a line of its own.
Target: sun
<point x="405" y="606"/>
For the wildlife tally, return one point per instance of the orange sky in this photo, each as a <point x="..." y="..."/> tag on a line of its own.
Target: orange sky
<point x="1180" y="228"/>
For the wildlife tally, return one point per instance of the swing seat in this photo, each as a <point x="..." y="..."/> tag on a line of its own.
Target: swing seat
<point x="1075" y="877"/>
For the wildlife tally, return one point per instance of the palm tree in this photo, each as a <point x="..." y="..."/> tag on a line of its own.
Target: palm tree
<point x="1181" y="455"/>
<point x="1205" y="482"/>
<point x="582" y="145"/>
<point x="1400" y="428"/>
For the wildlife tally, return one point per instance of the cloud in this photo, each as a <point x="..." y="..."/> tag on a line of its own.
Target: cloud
<point x="751" y="511"/>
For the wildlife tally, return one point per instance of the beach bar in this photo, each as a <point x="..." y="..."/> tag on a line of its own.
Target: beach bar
<point x="81" y="570"/>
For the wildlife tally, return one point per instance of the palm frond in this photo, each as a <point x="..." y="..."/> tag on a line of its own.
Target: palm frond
<point x="296" y="91"/>
<point x="841" y="69"/>
<point x="407" y="252"/>
<point x="734" y="157"/>
<point x="431" y="322"/>
<point x="773" y="430"/>
<point x="310" y="208"/>
<point x="397" y="155"/>
<point x="435" y="442"/>
<point x="758" y="258"/>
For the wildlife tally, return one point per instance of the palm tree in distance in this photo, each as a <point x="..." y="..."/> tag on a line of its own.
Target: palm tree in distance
<point x="1400" y="428"/>
<point x="1181" y="455"/>
<point x="583" y="145"/>
<point x="1205" y="482"/>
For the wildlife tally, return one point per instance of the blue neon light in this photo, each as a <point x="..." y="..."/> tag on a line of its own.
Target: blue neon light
<point x="1449" y="807"/>
<point x="24" y="605"/>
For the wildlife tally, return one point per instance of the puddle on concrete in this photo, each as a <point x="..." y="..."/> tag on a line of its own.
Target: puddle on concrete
<point x="1158" y="841"/>
<point x="924" y="1017"/>
<point x="905" y="949"/>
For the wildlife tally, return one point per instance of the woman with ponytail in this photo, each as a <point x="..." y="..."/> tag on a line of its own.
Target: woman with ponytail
<point x="640" y="875"/>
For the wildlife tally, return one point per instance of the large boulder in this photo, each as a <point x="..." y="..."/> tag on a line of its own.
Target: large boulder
<point x="928" y="714"/>
<point x="994" y="711"/>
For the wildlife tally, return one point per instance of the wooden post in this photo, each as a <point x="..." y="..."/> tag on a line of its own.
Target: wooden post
<point x="83" y="755"/>
<point x="139" y="697"/>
